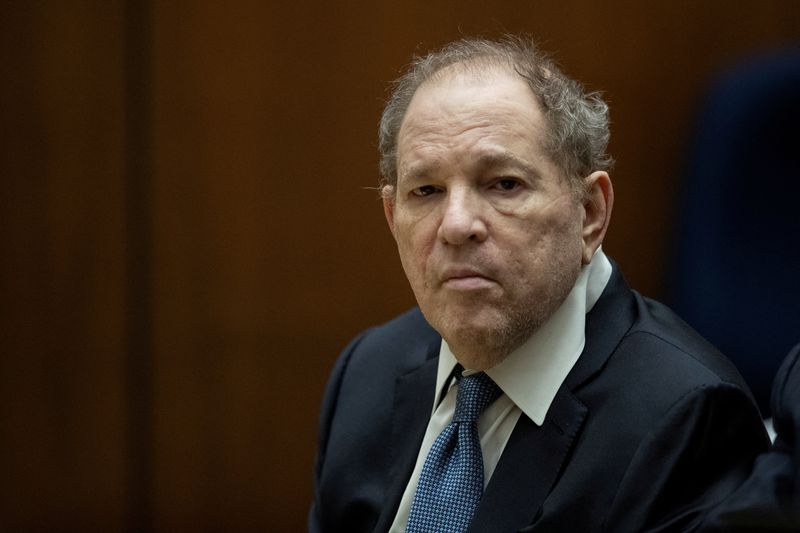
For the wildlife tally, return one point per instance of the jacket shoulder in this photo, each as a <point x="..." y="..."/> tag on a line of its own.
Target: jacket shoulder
<point x="670" y="346"/>
<point x="394" y="347"/>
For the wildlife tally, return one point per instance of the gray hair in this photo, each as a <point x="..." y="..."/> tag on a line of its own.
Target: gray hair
<point x="578" y="121"/>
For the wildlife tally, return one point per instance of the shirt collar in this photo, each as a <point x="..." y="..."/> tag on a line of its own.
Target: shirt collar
<point x="532" y="374"/>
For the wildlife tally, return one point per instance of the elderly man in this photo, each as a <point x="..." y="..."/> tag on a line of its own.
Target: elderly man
<point x="532" y="389"/>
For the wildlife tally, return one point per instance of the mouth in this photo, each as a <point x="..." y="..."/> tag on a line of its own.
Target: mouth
<point x="466" y="279"/>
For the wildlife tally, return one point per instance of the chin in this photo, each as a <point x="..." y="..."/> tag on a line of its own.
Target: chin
<point x="478" y="342"/>
<point x="467" y="323"/>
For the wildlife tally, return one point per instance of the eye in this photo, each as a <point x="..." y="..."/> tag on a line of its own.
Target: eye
<point x="425" y="190"/>
<point x="507" y="184"/>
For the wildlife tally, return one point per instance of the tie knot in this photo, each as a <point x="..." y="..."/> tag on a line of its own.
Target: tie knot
<point x="475" y="393"/>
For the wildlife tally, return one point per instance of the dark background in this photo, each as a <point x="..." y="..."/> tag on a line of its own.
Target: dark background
<point x="188" y="239"/>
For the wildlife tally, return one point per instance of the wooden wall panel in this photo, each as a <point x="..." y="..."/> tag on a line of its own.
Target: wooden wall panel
<point x="263" y="248"/>
<point x="62" y="381"/>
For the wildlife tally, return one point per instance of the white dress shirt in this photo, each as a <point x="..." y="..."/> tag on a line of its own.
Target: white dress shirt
<point x="529" y="378"/>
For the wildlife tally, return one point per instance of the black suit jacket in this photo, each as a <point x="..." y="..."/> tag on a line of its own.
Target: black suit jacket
<point x="651" y="429"/>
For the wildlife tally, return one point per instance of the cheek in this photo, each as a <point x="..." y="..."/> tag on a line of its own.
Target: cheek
<point x="414" y="223"/>
<point x="414" y="245"/>
<point x="547" y="244"/>
<point x="562" y="221"/>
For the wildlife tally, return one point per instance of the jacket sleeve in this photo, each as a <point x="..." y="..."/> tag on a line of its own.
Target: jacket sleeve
<point x="700" y="453"/>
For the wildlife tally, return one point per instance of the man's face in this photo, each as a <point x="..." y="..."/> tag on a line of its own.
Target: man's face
<point x="488" y="230"/>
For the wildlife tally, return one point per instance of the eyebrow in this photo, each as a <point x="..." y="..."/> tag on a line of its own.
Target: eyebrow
<point x="505" y="159"/>
<point x="418" y="170"/>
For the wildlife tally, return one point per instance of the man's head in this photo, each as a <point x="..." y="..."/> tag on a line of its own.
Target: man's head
<point x="493" y="212"/>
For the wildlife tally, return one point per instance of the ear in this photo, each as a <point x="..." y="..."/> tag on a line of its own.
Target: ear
<point x="387" y="193"/>
<point x="597" y="206"/>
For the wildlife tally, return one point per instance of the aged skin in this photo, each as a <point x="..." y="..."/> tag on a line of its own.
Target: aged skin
<point x="490" y="232"/>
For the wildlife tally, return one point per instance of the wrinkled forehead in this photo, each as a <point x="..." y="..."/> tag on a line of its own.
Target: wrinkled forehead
<point x="461" y="87"/>
<point x="484" y="118"/>
<point x="461" y="97"/>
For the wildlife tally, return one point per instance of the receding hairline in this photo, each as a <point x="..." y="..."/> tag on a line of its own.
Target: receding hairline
<point x="478" y="66"/>
<point x="481" y="68"/>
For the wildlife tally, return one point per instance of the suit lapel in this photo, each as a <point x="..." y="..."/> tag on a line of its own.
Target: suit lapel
<point x="535" y="456"/>
<point x="529" y="467"/>
<point x="410" y="416"/>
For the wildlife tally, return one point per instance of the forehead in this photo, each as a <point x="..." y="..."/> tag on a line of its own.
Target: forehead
<point x="469" y="109"/>
<point x="460" y="89"/>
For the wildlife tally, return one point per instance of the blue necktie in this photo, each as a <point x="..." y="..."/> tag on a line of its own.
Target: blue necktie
<point x="451" y="482"/>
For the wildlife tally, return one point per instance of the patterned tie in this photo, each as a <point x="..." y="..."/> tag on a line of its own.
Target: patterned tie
<point x="451" y="482"/>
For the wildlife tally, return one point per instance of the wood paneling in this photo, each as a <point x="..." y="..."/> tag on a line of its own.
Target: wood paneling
<point x="181" y="383"/>
<point x="62" y="382"/>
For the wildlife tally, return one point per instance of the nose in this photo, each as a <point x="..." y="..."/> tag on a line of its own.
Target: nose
<point x="462" y="220"/>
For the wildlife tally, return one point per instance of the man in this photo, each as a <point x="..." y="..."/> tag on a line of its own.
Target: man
<point x="532" y="390"/>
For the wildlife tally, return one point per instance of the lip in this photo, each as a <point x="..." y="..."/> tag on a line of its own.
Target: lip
<point x="466" y="279"/>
